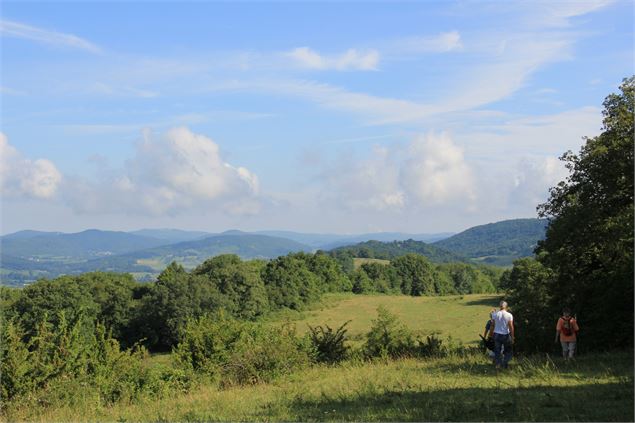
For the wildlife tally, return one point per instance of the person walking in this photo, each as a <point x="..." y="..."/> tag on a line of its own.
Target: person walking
<point x="503" y="336"/>
<point x="488" y="335"/>
<point x="567" y="331"/>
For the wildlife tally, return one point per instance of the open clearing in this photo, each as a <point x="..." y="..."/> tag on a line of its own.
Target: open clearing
<point x="460" y="387"/>
<point x="357" y="262"/>
<point x="462" y="317"/>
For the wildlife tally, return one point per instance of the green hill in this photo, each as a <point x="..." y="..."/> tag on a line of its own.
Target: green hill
<point x="390" y="250"/>
<point x="245" y="245"/>
<point x="497" y="243"/>
<point x="146" y="262"/>
<point x="78" y="246"/>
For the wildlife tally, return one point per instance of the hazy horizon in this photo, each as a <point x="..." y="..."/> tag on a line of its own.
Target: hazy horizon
<point x="343" y="118"/>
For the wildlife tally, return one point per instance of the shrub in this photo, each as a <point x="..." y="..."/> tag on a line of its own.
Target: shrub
<point x="388" y="337"/>
<point x="329" y="345"/>
<point x="70" y="358"/>
<point x="238" y="352"/>
<point x="432" y="347"/>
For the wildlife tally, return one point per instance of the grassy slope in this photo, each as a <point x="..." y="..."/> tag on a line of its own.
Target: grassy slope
<point x="456" y="388"/>
<point x="595" y="388"/>
<point x="357" y="262"/>
<point x="462" y="317"/>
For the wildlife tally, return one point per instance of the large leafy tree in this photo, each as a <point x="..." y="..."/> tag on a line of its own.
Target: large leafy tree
<point x="589" y="239"/>
<point x="416" y="274"/>
<point x="239" y="281"/>
<point x="176" y="297"/>
<point x="290" y="283"/>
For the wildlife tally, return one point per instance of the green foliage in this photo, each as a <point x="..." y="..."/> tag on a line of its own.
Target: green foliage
<point x="61" y="357"/>
<point x="432" y="347"/>
<point x="177" y="297"/>
<point x="345" y="259"/>
<point x="114" y="295"/>
<point x="388" y="337"/>
<point x="332" y="277"/>
<point x="239" y="352"/>
<point x="443" y="283"/>
<point x="468" y="279"/>
<point x="384" y="278"/>
<point x="415" y="273"/>
<point x="509" y="239"/>
<point x="394" y="249"/>
<point x="49" y="299"/>
<point x="330" y="345"/>
<point x="589" y="240"/>
<point x="290" y="283"/>
<point x="528" y="286"/>
<point x="362" y="284"/>
<point x="239" y="282"/>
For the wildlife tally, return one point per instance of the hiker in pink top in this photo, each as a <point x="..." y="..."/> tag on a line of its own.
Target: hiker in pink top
<point x="567" y="330"/>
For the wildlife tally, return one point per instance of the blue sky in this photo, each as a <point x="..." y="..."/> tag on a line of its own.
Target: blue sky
<point x="311" y="116"/>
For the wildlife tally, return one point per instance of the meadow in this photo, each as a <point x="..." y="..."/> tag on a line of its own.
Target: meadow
<point x="463" y="386"/>
<point x="460" y="317"/>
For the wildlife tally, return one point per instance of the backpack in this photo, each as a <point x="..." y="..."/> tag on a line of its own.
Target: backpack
<point x="567" y="326"/>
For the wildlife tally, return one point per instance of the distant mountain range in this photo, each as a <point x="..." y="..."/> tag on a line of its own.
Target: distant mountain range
<point x="28" y="255"/>
<point x="78" y="246"/>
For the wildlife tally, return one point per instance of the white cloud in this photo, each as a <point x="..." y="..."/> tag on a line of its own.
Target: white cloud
<point x="20" y="30"/>
<point x="168" y="174"/>
<point x="533" y="178"/>
<point x="436" y="173"/>
<point x="21" y="177"/>
<point x="559" y="13"/>
<point x="441" y="43"/>
<point x="430" y="173"/>
<point x="371" y="183"/>
<point x="351" y="59"/>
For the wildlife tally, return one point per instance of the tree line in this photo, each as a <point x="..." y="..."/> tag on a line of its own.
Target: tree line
<point x="586" y="259"/>
<point x="155" y="314"/>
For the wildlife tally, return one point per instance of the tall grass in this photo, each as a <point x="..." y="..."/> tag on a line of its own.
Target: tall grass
<point x="460" y="387"/>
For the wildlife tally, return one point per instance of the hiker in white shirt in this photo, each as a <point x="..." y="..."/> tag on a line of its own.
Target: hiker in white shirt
<point x="503" y="335"/>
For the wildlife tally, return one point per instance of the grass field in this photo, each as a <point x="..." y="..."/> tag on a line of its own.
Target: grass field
<point x="460" y="387"/>
<point x="456" y="388"/>
<point x="462" y="317"/>
<point x="357" y="262"/>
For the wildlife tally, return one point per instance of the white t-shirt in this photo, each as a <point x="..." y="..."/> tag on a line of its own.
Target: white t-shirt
<point x="501" y="320"/>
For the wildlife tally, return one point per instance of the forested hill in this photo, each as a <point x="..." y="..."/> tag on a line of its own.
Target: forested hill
<point x="497" y="243"/>
<point x="390" y="250"/>
<point x="245" y="245"/>
<point x="82" y="245"/>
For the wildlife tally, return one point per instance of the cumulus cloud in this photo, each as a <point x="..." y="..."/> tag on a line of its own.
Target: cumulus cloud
<point x="533" y="178"/>
<point x="371" y="183"/>
<point x="430" y="172"/>
<point x="435" y="172"/>
<point x="22" y="177"/>
<point x="168" y="174"/>
<point x="351" y="59"/>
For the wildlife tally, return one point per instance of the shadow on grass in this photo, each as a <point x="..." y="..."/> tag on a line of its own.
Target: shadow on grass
<point x="591" y="402"/>
<point x="617" y="364"/>
<point x="492" y="301"/>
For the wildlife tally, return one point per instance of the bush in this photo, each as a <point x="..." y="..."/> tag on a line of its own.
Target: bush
<point x="432" y="347"/>
<point x="329" y="345"/>
<point x="388" y="337"/>
<point x="62" y="359"/>
<point x="238" y="352"/>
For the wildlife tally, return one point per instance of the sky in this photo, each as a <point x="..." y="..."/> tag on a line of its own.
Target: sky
<point x="338" y="117"/>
